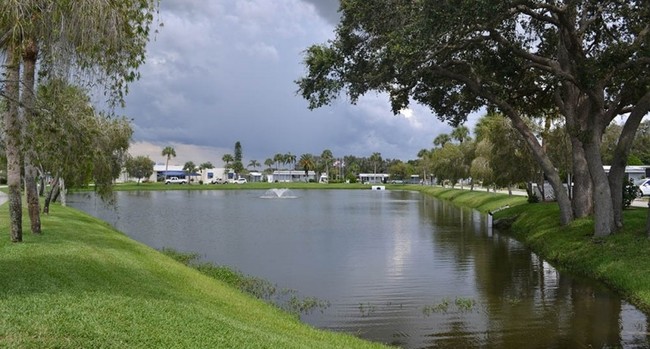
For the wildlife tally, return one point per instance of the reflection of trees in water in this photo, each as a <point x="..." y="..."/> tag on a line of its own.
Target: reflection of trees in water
<point x="527" y="302"/>
<point x="595" y="315"/>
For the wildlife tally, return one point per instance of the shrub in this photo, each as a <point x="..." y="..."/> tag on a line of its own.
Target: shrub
<point x="630" y="192"/>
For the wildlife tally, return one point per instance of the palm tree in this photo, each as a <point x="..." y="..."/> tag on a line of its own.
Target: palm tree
<point x="227" y="158"/>
<point x="425" y="159"/>
<point x="327" y="158"/>
<point x="375" y="158"/>
<point x="278" y="158"/>
<point x="189" y="168"/>
<point x="291" y="160"/>
<point x="169" y="152"/>
<point x="441" y="140"/>
<point x="307" y="163"/>
<point x="254" y="164"/>
<point x="460" y="133"/>
<point x="269" y="164"/>
<point x="205" y="166"/>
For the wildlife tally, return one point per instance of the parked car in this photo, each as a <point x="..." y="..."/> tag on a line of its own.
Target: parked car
<point x="240" y="180"/>
<point x="643" y="186"/>
<point x="175" y="180"/>
<point x="217" y="181"/>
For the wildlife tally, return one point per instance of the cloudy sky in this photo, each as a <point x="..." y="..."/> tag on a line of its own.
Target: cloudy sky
<point x="219" y="72"/>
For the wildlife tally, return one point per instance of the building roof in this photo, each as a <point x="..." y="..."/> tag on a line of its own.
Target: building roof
<point x="293" y="172"/>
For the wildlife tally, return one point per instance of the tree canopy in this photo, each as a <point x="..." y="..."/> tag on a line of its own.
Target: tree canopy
<point x="585" y="61"/>
<point x="139" y="167"/>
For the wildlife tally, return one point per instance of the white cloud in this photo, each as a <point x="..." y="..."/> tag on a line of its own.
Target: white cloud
<point x="262" y="51"/>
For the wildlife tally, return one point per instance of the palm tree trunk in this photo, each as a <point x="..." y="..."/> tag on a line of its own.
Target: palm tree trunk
<point x="28" y="102"/>
<point x="12" y="143"/>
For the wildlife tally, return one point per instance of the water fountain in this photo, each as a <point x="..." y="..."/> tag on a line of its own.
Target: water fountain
<point x="283" y="193"/>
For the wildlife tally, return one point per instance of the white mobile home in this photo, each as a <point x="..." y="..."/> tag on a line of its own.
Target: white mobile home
<point x="285" y="176"/>
<point x="373" y="178"/>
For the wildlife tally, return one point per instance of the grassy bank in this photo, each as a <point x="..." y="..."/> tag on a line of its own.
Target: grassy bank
<point x="84" y="285"/>
<point x="621" y="261"/>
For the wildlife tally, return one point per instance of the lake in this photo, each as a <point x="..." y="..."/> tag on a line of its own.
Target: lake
<point x="396" y="267"/>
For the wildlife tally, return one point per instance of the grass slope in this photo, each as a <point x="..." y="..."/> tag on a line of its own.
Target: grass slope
<point x="84" y="285"/>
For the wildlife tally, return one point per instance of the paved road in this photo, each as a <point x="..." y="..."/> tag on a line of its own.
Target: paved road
<point x="636" y="203"/>
<point x="3" y="198"/>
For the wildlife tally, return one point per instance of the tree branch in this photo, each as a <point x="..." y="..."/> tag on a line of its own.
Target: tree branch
<point x="546" y="64"/>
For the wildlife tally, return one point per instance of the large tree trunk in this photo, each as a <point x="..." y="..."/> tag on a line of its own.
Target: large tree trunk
<point x="602" y="197"/>
<point x="619" y="161"/>
<point x="583" y="185"/>
<point x="12" y="143"/>
<point x="28" y="103"/>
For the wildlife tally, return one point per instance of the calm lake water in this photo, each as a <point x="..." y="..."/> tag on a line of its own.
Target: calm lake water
<point x="397" y="267"/>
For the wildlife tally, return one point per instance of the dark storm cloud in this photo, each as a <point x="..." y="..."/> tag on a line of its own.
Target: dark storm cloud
<point x="328" y="9"/>
<point x="222" y="72"/>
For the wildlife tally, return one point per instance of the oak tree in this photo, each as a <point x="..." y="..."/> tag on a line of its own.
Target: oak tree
<point x="586" y="61"/>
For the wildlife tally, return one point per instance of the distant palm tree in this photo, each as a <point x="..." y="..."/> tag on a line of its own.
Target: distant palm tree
<point x="441" y="140"/>
<point x="278" y="158"/>
<point x="227" y="158"/>
<point x="169" y="152"/>
<point x="460" y="133"/>
<point x="205" y="166"/>
<point x="307" y="163"/>
<point x="375" y="158"/>
<point x="290" y="159"/>
<point x="189" y="168"/>
<point x="269" y="163"/>
<point x="327" y="158"/>
<point x="254" y="164"/>
<point x="425" y="159"/>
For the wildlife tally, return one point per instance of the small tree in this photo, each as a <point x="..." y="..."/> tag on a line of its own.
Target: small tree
<point x="205" y="166"/>
<point x="139" y="167"/>
<point x="76" y="144"/>
<point x="168" y="152"/>
<point x="189" y="168"/>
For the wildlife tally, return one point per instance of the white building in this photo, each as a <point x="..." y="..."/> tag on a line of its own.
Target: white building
<point x="633" y="172"/>
<point x="373" y="178"/>
<point x="285" y="176"/>
<point x="160" y="172"/>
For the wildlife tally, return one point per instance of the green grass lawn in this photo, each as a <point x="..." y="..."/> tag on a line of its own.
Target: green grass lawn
<point x="84" y="285"/>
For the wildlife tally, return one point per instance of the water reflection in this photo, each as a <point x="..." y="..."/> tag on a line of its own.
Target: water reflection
<point x="397" y="267"/>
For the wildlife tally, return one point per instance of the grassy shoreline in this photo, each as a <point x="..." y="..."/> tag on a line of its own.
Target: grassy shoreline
<point x="83" y="284"/>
